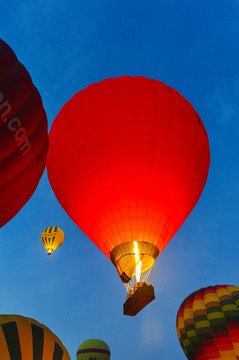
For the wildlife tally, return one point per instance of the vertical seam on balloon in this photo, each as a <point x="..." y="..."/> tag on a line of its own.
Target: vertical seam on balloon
<point x="99" y="229"/>
<point x="184" y="322"/>
<point x="106" y="241"/>
<point x="149" y="183"/>
<point x="226" y="288"/>
<point x="184" y="108"/>
<point x="116" y="81"/>
<point x="193" y="324"/>
<point x="138" y="158"/>
<point x="202" y="347"/>
<point x="90" y="153"/>
<point x="151" y="168"/>
<point x="65" y="120"/>
<point x="73" y="152"/>
<point x="172" y="97"/>
<point x="212" y="290"/>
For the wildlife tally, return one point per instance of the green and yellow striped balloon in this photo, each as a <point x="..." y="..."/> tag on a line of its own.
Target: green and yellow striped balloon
<point x="93" y="349"/>
<point x="208" y="323"/>
<point x="22" y="338"/>
<point x="52" y="237"/>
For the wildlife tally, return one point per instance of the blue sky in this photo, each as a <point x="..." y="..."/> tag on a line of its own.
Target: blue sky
<point x="191" y="46"/>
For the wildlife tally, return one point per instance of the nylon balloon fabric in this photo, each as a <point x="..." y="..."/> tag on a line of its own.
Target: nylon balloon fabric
<point x="23" y="135"/>
<point x="23" y="338"/>
<point x="128" y="160"/>
<point x="208" y="323"/>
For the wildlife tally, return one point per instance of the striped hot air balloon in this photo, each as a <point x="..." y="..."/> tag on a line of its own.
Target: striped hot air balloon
<point x="208" y="323"/>
<point x="93" y="349"/>
<point x="52" y="238"/>
<point x="23" y="338"/>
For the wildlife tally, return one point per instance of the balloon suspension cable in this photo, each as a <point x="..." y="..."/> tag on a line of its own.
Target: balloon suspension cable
<point x="130" y="286"/>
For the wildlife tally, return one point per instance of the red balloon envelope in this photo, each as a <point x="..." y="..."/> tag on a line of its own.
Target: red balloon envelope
<point x="23" y="135"/>
<point x="128" y="160"/>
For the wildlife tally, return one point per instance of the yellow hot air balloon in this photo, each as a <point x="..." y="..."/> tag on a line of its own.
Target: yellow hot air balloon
<point x="52" y="237"/>
<point x="23" y="338"/>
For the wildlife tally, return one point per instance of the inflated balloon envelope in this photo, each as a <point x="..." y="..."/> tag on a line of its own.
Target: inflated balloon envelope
<point x="23" y="135"/>
<point x="93" y="349"/>
<point x="23" y="338"/>
<point x="128" y="160"/>
<point x="208" y="323"/>
<point x="52" y="238"/>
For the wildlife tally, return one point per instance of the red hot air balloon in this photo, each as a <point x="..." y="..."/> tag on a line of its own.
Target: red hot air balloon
<point x="23" y="135"/>
<point x="128" y="161"/>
